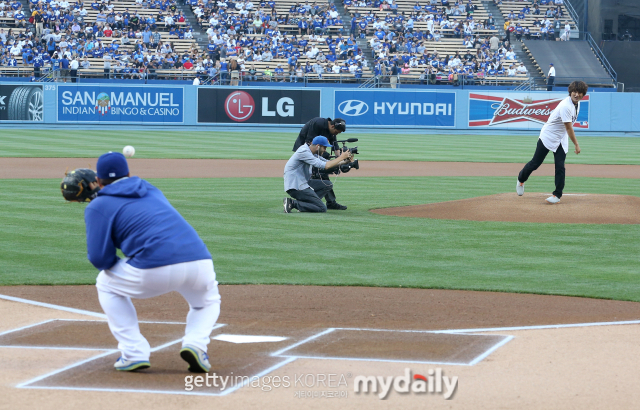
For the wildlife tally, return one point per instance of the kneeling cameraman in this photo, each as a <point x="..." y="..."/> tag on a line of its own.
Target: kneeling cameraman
<point x="308" y="193"/>
<point x="322" y="127"/>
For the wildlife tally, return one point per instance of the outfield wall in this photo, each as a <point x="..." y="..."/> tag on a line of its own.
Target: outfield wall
<point x="41" y="105"/>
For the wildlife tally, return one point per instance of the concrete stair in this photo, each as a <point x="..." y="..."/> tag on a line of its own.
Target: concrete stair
<point x="199" y="34"/>
<point x="363" y="44"/>
<point x="515" y="44"/>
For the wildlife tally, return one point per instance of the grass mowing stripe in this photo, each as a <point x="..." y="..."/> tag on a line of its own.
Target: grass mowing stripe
<point x="272" y="145"/>
<point x="253" y="241"/>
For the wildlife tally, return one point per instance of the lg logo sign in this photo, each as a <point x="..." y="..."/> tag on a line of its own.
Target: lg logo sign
<point x="240" y="106"/>
<point x="353" y="108"/>
<point x="284" y="107"/>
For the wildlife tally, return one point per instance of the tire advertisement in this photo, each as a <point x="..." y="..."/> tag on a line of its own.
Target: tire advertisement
<point x="21" y="103"/>
<point x="257" y="106"/>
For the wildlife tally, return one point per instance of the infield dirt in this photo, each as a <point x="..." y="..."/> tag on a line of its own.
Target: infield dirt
<point x="577" y="367"/>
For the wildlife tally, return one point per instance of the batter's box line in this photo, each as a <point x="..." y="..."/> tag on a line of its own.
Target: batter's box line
<point x="106" y="353"/>
<point x="70" y="310"/>
<point x="173" y="392"/>
<point x="217" y="326"/>
<point x="280" y="353"/>
<point x="96" y="349"/>
<point x="139" y="321"/>
<point x="52" y="306"/>
<point x="364" y="359"/>
<point x="27" y="327"/>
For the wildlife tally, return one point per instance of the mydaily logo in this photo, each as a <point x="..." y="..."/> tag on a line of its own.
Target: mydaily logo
<point x="432" y="383"/>
<point x="353" y="108"/>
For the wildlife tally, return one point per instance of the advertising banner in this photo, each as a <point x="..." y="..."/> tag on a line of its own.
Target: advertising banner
<point x="519" y="110"/>
<point x="401" y="108"/>
<point x="115" y="104"/>
<point x="261" y="106"/>
<point x="21" y="103"/>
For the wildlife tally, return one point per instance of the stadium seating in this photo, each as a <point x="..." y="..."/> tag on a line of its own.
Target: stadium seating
<point x="287" y="11"/>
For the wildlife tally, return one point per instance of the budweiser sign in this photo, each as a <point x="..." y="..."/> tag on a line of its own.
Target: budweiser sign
<point x="519" y="110"/>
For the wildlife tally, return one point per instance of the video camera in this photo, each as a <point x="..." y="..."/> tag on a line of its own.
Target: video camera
<point x="353" y="164"/>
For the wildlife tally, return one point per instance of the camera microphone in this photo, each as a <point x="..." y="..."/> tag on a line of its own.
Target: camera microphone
<point x="352" y="140"/>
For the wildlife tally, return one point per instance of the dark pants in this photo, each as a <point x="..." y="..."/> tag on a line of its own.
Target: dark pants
<point x="550" y="81"/>
<point x="74" y="75"/>
<point x="538" y="158"/>
<point x="330" y="197"/>
<point x="310" y="200"/>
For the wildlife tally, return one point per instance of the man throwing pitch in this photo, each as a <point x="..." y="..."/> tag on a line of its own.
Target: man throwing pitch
<point x="554" y="136"/>
<point x="163" y="254"/>
<point x="328" y="128"/>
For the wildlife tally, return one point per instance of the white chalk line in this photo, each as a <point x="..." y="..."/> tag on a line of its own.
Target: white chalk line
<point x="477" y="359"/>
<point x="259" y="375"/>
<point x="100" y="389"/>
<point x="289" y="358"/>
<point x="368" y="359"/>
<point x="97" y="349"/>
<point x="308" y="339"/>
<point x="538" y="327"/>
<point x="26" y="327"/>
<point x="174" y="392"/>
<point x="52" y="306"/>
<point x="71" y="366"/>
<point x="492" y="349"/>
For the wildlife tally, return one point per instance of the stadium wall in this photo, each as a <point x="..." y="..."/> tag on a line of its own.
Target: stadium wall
<point x="161" y="106"/>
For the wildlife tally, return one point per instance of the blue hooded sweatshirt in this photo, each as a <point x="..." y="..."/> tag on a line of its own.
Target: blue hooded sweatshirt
<point x="135" y="217"/>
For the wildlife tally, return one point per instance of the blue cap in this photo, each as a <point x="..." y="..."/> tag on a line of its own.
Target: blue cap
<point x="112" y="165"/>
<point x="321" y="141"/>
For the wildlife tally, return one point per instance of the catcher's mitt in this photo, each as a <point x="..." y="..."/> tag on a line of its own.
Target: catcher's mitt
<point x="75" y="185"/>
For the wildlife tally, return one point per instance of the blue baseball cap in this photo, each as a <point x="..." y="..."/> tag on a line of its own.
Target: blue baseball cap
<point x="112" y="165"/>
<point x="321" y="141"/>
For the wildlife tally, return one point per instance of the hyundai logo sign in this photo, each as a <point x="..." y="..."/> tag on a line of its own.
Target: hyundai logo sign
<point x="353" y="108"/>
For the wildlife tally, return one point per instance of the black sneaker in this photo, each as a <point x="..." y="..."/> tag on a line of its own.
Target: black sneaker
<point x="288" y="205"/>
<point x="335" y="205"/>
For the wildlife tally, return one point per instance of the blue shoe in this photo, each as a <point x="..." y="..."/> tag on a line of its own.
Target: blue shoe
<point x="197" y="359"/>
<point x="124" y="365"/>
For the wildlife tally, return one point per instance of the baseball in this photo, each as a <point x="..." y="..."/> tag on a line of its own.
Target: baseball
<point x="128" y="151"/>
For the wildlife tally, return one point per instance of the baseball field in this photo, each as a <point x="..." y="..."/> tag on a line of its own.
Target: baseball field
<point x="529" y="305"/>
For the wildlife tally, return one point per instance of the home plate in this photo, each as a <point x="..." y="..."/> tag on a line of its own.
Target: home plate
<point x="248" y="338"/>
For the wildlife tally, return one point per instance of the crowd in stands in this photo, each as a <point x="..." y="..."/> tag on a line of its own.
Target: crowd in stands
<point x="256" y="41"/>
<point x="531" y="22"/>
<point x="303" y="39"/>
<point x="61" y="36"/>
<point x="400" y="46"/>
<point x="249" y="34"/>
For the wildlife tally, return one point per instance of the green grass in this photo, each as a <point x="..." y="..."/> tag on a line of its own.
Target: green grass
<point x="253" y="241"/>
<point x="270" y="145"/>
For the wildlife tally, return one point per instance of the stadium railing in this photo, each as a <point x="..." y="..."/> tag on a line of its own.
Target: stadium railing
<point x="603" y="60"/>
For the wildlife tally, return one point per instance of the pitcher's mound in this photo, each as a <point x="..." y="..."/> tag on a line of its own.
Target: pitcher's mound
<point x="532" y="207"/>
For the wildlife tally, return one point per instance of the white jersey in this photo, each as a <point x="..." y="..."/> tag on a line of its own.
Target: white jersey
<point x="554" y="133"/>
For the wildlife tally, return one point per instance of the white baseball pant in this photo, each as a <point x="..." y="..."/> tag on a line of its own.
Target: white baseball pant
<point x="195" y="281"/>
